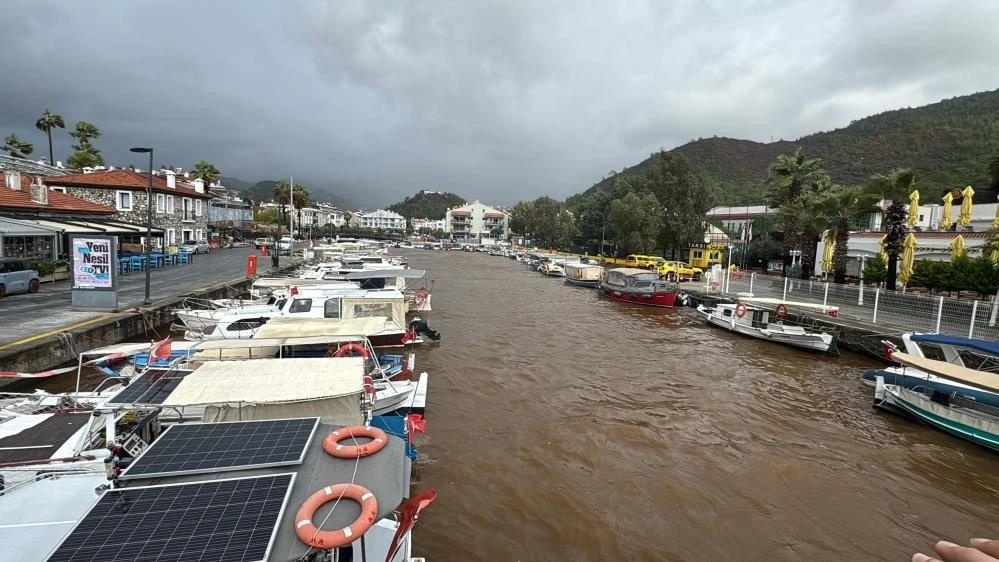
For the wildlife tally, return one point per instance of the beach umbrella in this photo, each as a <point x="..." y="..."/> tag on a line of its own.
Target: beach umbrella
<point x="964" y="219"/>
<point x="827" y="251"/>
<point x="908" y="259"/>
<point x="956" y="248"/>
<point x="948" y="209"/>
<point x="882" y="253"/>
<point x="913" y="217"/>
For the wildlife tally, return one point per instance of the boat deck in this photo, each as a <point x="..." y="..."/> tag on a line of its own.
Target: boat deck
<point x="38" y="436"/>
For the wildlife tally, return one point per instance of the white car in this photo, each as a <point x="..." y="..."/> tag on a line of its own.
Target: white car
<point x="195" y="247"/>
<point x="285" y="244"/>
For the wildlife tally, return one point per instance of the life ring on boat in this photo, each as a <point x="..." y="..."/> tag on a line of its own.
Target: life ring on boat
<point x="369" y="389"/>
<point x="350" y="348"/>
<point x="309" y="534"/>
<point x="332" y="442"/>
<point x="740" y="309"/>
<point x="419" y="298"/>
<point x="834" y="313"/>
<point x="780" y="311"/>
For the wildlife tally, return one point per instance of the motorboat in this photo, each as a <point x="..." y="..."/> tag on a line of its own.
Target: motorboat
<point x="583" y="274"/>
<point x="756" y="321"/>
<point x="638" y="286"/>
<point x="551" y="269"/>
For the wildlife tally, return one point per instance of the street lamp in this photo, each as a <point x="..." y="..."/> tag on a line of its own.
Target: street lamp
<point x="149" y="215"/>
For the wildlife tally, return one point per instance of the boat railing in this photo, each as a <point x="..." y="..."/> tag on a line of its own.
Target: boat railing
<point x="33" y="471"/>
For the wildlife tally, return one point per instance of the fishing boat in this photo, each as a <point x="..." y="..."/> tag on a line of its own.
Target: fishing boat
<point x="551" y="269"/>
<point x="638" y="286"/>
<point x="958" y="415"/>
<point x="973" y="353"/>
<point x="755" y="321"/>
<point x="583" y="274"/>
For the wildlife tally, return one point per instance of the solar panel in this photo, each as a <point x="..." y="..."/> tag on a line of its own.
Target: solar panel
<point x="150" y="388"/>
<point x="232" y="520"/>
<point x="194" y="448"/>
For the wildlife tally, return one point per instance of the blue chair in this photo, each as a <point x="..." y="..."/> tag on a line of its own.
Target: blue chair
<point x="136" y="263"/>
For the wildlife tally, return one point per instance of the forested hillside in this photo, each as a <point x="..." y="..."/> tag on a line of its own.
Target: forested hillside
<point x="948" y="144"/>
<point x="427" y="205"/>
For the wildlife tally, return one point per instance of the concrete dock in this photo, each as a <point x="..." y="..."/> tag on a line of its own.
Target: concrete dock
<point x="40" y="331"/>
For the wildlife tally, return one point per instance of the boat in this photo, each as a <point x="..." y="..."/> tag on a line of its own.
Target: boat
<point x="755" y="321"/>
<point x="638" y="286"/>
<point x="973" y="353"/>
<point x="958" y="415"/>
<point x="551" y="269"/>
<point x="583" y="274"/>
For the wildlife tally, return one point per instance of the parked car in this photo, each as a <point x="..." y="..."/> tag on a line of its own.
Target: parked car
<point x="285" y="244"/>
<point x="17" y="277"/>
<point x="261" y="241"/>
<point x="678" y="270"/>
<point x="195" y="247"/>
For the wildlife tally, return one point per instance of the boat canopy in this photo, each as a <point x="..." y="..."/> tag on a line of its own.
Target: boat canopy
<point x="794" y="304"/>
<point x="971" y="377"/>
<point x="286" y="327"/>
<point x="384" y="273"/>
<point x="628" y="271"/>
<point x="984" y="346"/>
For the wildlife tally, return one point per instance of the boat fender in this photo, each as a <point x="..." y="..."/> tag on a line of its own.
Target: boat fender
<point x="309" y="534"/>
<point x="740" y="309"/>
<point x="351" y="348"/>
<point x="332" y="442"/>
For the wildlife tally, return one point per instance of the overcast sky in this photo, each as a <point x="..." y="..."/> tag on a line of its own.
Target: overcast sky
<point x="497" y="101"/>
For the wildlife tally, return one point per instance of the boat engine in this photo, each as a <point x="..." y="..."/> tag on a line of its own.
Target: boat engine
<point x="419" y="325"/>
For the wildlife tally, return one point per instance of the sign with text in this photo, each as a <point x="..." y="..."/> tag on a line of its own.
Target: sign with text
<point x="94" y="262"/>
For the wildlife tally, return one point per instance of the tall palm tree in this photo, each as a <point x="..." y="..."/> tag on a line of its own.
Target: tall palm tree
<point x="46" y="123"/>
<point x="844" y="204"/>
<point x="810" y="216"/>
<point x="17" y="147"/>
<point x="895" y="186"/>
<point x="83" y="132"/>
<point x="283" y="197"/>
<point x="207" y="172"/>
<point x="790" y="175"/>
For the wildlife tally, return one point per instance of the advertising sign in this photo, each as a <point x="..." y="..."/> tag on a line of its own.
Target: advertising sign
<point x="94" y="262"/>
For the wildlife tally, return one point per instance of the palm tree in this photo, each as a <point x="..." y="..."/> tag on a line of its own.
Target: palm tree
<point x="790" y="175"/>
<point x="809" y="213"/>
<point x="46" y="123"/>
<point x="17" y="147"/>
<point x="844" y="204"/>
<point x="84" y="159"/>
<point x="895" y="187"/>
<point x="283" y="197"/>
<point x="207" y="172"/>
<point x="83" y="132"/>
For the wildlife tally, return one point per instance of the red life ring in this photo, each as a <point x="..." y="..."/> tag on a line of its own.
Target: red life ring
<point x="740" y="309"/>
<point x="834" y="313"/>
<point x="332" y="442"/>
<point x="352" y="347"/>
<point x="419" y="298"/>
<point x="308" y="532"/>
<point x="780" y="311"/>
<point x="369" y="389"/>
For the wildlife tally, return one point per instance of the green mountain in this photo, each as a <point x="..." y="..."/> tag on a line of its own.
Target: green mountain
<point x="264" y="191"/>
<point x="427" y="205"/>
<point x="948" y="144"/>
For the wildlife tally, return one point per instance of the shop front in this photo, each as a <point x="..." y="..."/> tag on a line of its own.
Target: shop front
<point x="26" y="239"/>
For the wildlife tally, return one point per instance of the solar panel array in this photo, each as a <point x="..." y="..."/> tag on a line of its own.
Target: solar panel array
<point x="213" y="447"/>
<point x="221" y="520"/>
<point x="153" y="387"/>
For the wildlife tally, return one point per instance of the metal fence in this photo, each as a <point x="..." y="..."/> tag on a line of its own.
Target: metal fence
<point x="894" y="311"/>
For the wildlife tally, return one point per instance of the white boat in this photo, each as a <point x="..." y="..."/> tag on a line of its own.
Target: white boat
<point x="583" y="274"/>
<point x="958" y="415"/>
<point x="754" y="321"/>
<point x="551" y="269"/>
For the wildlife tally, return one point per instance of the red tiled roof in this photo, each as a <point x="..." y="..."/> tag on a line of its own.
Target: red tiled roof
<point x="14" y="200"/>
<point x="124" y="179"/>
<point x="459" y="213"/>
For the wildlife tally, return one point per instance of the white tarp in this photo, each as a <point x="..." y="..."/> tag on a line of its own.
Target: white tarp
<point x="268" y="381"/>
<point x="289" y="327"/>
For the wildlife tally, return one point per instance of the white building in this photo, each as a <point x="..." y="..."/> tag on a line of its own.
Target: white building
<point x="476" y="220"/>
<point x="386" y="220"/>
<point x="429" y="225"/>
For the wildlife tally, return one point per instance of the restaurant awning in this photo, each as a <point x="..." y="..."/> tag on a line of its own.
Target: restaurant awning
<point x="15" y="227"/>
<point x="60" y="225"/>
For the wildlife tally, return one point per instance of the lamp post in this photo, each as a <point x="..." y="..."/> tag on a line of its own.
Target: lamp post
<point x="149" y="215"/>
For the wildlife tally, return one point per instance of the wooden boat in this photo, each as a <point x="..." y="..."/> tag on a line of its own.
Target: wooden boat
<point x="754" y="321"/>
<point x="583" y="274"/>
<point x="638" y="286"/>
<point x="966" y="418"/>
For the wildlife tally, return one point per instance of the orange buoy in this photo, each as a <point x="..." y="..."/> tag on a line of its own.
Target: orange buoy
<point x="332" y="442"/>
<point x="781" y="310"/>
<point x="740" y="309"/>
<point x="350" y="348"/>
<point x="308" y="532"/>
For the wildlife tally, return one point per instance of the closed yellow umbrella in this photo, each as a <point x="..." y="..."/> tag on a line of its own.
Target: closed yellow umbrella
<point x="995" y="221"/>
<point x="883" y="254"/>
<point x="908" y="259"/>
<point x="964" y="219"/>
<point x="827" y="251"/>
<point x="948" y="209"/>
<point x="913" y="217"/>
<point x="956" y="248"/>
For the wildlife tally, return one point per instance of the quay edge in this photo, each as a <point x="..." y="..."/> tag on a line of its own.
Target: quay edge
<point x="52" y="349"/>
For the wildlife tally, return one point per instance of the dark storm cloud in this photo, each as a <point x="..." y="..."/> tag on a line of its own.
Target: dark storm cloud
<point x="496" y="101"/>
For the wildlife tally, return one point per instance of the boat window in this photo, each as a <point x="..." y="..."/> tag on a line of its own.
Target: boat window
<point x="280" y="303"/>
<point x="331" y="309"/>
<point x="932" y="351"/>
<point x="727" y="312"/>
<point x="271" y="300"/>
<point x="373" y="310"/>
<point x="243" y="325"/>
<point x="300" y="305"/>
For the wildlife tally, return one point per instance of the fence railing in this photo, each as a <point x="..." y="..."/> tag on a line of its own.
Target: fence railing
<point x="894" y="311"/>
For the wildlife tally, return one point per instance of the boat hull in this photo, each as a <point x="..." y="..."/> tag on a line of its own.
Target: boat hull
<point x="914" y="381"/>
<point x="391" y="339"/>
<point x="978" y="430"/>
<point x="588" y="283"/>
<point x="661" y="299"/>
<point x="811" y="341"/>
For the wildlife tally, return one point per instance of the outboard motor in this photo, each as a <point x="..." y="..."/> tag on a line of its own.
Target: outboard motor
<point x="419" y="325"/>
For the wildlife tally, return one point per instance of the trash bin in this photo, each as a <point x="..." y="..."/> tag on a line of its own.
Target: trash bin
<point x="251" y="265"/>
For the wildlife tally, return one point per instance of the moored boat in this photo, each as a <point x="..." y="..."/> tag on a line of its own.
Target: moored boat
<point x="755" y="321"/>
<point x="583" y="274"/>
<point x="638" y="286"/>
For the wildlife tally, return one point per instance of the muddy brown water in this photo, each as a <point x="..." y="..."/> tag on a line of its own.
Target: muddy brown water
<point x="566" y="427"/>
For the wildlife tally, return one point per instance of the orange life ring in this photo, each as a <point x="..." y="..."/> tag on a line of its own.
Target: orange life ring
<point x="834" y="313"/>
<point x="351" y="347"/>
<point x="419" y="298"/>
<point x="308" y="532"/>
<point x="332" y="442"/>
<point x="780" y="311"/>
<point x="740" y="309"/>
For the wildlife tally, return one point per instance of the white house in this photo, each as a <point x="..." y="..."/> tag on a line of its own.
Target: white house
<point x="429" y="225"/>
<point x="476" y="220"/>
<point x="387" y="220"/>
